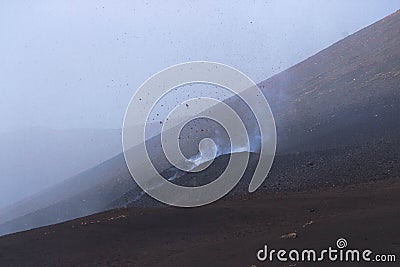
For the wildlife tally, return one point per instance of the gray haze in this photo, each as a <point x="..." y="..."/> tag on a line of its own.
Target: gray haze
<point x="34" y="159"/>
<point x="75" y="65"/>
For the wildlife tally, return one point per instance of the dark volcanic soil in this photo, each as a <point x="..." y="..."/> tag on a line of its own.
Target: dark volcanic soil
<point x="336" y="175"/>
<point x="341" y="193"/>
<point x="226" y="233"/>
<point x="344" y="98"/>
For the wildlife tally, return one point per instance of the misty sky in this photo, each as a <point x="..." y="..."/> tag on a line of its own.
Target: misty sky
<point x="76" y="64"/>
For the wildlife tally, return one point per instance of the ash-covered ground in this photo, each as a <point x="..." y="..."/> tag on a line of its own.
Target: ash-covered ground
<point x="336" y="174"/>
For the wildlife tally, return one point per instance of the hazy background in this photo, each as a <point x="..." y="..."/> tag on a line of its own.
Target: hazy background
<point x="69" y="68"/>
